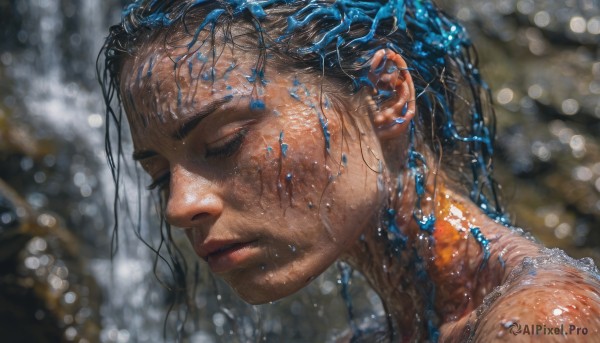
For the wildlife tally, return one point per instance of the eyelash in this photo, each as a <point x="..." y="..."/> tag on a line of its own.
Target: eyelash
<point x="226" y="150"/>
<point x="159" y="183"/>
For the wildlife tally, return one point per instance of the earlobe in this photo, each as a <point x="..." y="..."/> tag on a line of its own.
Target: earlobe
<point x="389" y="73"/>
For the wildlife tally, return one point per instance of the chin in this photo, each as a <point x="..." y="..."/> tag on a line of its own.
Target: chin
<point x="263" y="283"/>
<point x="255" y="296"/>
<point x="261" y="289"/>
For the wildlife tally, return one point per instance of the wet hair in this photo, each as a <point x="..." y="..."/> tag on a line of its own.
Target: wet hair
<point x="337" y="39"/>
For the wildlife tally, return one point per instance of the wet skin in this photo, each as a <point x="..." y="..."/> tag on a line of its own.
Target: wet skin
<point x="261" y="180"/>
<point x="549" y="293"/>
<point x="269" y="206"/>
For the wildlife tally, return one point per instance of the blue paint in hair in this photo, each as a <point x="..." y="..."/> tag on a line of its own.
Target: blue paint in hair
<point x="437" y="40"/>
<point x="211" y="19"/>
<point x="436" y="37"/>
<point x="190" y="68"/>
<point x="418" y="167"/>
<point x="257" y="75"/>
<point x="150" y="66"/>
<point x="428" y="292"/>
<point x="200" y="57"/>
<point x="398" y="238"/>
<point x="296" y="84"/>
<point x="294" y="93"/>
<point x="229" y="69"/>
<point x="483" y="242"/>
<point x="324" y="127"/>
<point x="344" y="281"/>
<point x="283" y="147"/>
<point x="257" y="105"/>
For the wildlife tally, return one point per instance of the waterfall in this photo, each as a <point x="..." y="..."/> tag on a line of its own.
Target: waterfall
<point x="55" y="91"/>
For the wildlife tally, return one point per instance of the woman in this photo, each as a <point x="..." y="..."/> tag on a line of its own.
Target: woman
<point x="286" y="135"/>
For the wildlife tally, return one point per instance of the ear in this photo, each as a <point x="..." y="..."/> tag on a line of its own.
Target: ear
<point x="389" y="73"/>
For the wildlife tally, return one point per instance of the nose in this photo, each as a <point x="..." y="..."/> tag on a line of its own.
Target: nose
<point x="193" y="200"/>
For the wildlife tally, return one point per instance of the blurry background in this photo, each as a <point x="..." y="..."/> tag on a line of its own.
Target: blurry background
<point x="57" y="281"/>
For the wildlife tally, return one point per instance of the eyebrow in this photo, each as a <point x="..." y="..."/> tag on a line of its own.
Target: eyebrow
<point x="187" y="126"/>
<point x="204" y="112"/>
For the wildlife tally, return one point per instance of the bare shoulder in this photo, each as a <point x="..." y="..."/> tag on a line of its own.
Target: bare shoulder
<point x="550" y="298"/>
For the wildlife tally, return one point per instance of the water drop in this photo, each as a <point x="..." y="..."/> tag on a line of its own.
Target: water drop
<point x="593" y="25"/>
<point x="535" y="91"/>
<point x="582" y="173"/>
<point x="562" y="231"/>
<point x="95" y="120"/>
<point x="70" y="333"/>
<point x="219" y="319"/>
<point x="570" y="106"/>
<point x="70" y="297"/>
<point x="577" y="24"/>
<point x="542" y="19"/>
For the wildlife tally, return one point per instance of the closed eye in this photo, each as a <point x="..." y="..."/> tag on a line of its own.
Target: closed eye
<point x="160" y="182"/>
<point x="228" y="148"/>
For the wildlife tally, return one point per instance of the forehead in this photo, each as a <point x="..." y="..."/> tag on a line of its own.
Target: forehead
<point x="157" y="64"/>
<point x="173" y="53"/>
<point x="167" y="81"/>
<point x="162" y="85"/>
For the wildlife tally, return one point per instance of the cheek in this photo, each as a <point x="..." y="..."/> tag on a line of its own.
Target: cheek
<point x="281" y="173"/>
<point x="293" y="177"/>
<point x="287" y="165"/>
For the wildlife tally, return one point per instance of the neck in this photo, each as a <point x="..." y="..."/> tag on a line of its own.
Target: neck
<point x="428" y="278"/>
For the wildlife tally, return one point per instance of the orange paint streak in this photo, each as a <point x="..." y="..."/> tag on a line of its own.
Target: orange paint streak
<point x="446" y="237"/>
<point x="451" y="228"/>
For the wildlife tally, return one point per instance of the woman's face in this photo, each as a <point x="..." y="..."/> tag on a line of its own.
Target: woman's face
<point x="267" y="179"/>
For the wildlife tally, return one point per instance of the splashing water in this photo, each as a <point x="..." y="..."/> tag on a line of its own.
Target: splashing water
<point x="56" y="81"/>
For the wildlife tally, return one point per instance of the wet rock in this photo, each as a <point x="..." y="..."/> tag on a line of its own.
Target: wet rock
<point x="541" y="60"/>
<point x="46" y="295"/>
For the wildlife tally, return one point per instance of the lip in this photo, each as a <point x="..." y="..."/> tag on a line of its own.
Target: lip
<point x="223" y="256"/>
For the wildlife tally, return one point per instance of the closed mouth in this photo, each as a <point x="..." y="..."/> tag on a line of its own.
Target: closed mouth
<point x="215" y="249"/>
<point x="228" y="248"/>
<point x="230" y="256"/>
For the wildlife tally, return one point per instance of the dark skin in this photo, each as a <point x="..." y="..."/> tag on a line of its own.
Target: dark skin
<point x="222" y="203"/>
